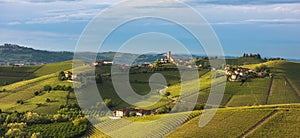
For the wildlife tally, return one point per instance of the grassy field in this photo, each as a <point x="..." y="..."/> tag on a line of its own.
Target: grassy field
<point x="231" y="122"/>
<point x="282" y="92"/>
<point x="24" y="90"/>
<point x="228" y="122"/>
<point x="285" y="88"/>
<point x="140" y="84"/>
<point x="284" y="124"/>
<point x="242" y="60"/>
<point x="131" y="126"/>
<point x="254" y="92"/>
<point x="12" y="74"/>
<point x="53" y="68"/>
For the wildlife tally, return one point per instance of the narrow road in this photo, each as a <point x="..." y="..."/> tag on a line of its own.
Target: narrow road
<point x="270" y="90"/>
<point x="259" y="123"/>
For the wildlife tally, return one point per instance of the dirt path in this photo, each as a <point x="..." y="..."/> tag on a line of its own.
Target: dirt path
<point x="293" y="87"/>
<point x="259" y="123"/>
<point x="270" y="90"/>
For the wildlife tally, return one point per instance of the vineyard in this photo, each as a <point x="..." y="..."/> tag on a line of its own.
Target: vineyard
<point x="284" y="124"/>
<point x="65" y="129"/>
<point x="246" y="108"/>
<point x="226" y="123"/>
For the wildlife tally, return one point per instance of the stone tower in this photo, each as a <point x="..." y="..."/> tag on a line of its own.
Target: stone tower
<point x="169" y="56"/>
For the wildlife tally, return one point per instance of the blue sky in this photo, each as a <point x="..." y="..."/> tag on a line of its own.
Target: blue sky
<point x="269" y="27"/>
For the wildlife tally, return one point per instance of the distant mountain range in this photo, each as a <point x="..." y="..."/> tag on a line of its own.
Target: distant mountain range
<point x="11" y="54"/>
<point x="15" y="54"/>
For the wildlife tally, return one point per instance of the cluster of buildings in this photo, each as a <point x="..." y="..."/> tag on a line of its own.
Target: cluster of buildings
<point x="103" y="62"/>
<point x="240" y="74"/>
<point x="132" y="112"/>
<point x="167" y="59"/>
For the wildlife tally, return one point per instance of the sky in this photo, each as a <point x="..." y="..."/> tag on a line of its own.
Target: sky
<point x="268" y="27"/>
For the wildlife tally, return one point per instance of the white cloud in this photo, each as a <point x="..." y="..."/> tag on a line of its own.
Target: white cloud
<point x="58" y="11"/>
<point x="14" y="23"/>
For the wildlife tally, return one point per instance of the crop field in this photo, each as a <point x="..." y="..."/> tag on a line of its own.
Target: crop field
<point x="53" y="68"/>
<point x="226" y="123"/>
<point x="254" y="92"/>
<point x="284" y="124"/>
<point x="140" y="84"/>
<point x="282" y="92"/>
<point x="160" y="124"/>
<point x="242" y="60"/>
<point x="12" y="74"/>
<point x="66" y="129"/>
<point x="25" y="90"/>
<point x="285" y="88"/>
<point x="243" y="106"/>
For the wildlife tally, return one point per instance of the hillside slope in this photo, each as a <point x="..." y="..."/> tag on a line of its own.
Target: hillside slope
<point x="36" y="78"/>
<point x="10" y="53"/>
<point x="12" y="74"/>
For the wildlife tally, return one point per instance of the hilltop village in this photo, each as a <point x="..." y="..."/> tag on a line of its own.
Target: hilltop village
<point x="234" y="73"/>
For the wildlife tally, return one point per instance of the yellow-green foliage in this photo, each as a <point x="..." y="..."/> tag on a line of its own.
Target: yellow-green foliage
<point x="160" y="124"/>
<point x="282" y="92"/>
<point x="53" y="68"/>
<point x="226" y="123"/>
<point x="24" y="90"/>
<point x="284" y="124"/>
<point x="254" y="92"/>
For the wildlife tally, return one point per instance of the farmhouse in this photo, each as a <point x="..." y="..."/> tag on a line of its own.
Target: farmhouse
<point x="129" y="111"/>
<point x="103" y="62"/>
<point x="69" y="75"/>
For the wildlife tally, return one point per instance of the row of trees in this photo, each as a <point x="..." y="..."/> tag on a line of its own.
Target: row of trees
<point x="23" y="124"/>
<point x="252" y="55"/>
<point x="58" y="87"/>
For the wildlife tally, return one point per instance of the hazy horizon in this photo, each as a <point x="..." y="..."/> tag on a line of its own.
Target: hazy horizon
<point x="270" y="28"/>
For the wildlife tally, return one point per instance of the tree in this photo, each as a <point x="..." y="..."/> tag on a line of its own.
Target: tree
<point x="48" y="100"/>
<point x="258" y="56"/>
<point x="80" y="121"/>
<point x="47" y="88"/>
<point x="167" y="94"/>
<point x="36" y="93"/>
<point x="98" y="78"/>
<point x="132" y="114"/>
<point x="108" y="103"/>
<point x="196" y="60"/>
<point x="61" y="76"/>
<point x="20" y="102"/>
<point x="32" y="118"/>
<point x="156" y="63"/>
<point x="36" y="135"/>
<point x="15" y="132"/>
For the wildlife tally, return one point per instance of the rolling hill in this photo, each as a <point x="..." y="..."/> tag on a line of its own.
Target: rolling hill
<point x="25" y="87"/>
<point x="13" y="54"/>
<point x="258" y="104"/>
<point x="11" y="74"/>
